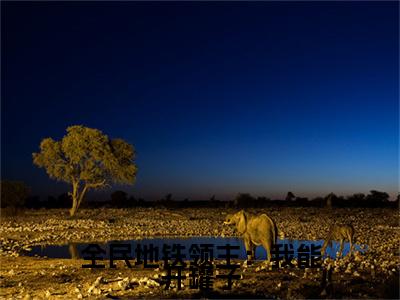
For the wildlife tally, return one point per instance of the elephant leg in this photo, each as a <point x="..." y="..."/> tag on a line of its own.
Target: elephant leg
<point x="268" y="247"/>
<point x="254" y="251"/>
<point x="341" y="248"/>
<point x="248" y="246"/>
<point x="351" y="244"/>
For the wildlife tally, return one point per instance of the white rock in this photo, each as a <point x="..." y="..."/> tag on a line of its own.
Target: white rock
<point x="98" y="281"/>
<point x="153" y="283"/>
<point x="124" y="284"/>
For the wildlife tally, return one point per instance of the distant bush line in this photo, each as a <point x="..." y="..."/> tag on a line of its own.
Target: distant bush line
<point x="15" y="195"/>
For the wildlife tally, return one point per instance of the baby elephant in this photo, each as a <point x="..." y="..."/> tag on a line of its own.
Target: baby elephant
<point x="339" y="233"/>
<point x="255" y="230"/>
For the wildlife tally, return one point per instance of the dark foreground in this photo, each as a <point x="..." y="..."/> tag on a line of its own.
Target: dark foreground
<point x="374" y="274"/>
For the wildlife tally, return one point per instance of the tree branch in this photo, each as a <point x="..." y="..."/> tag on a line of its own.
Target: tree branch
<point x="82" y="194"/>
<point x="96" y="185"/>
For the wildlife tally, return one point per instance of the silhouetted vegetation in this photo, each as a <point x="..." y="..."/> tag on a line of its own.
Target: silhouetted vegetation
<point x="243" y="200"/>
<point x="120" y="199"/>
<point x="290" y="196"/>
<point x="33" y="202"/>
<point x="13" y="194"/>
<point x="167" y="201"/>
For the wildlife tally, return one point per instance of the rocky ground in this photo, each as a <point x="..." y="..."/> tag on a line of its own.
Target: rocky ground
<point x="374" y="274"/>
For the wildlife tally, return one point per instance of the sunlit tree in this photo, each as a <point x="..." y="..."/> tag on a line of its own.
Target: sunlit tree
<point x="87" y="159"/>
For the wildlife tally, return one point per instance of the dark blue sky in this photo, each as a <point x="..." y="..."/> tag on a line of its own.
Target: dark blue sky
<point x="217" y="98"/>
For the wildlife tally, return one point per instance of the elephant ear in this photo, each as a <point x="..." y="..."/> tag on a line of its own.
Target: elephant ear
<point x="242" y="224"/>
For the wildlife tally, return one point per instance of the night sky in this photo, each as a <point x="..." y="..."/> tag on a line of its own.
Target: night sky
<point x="217" y="98"/>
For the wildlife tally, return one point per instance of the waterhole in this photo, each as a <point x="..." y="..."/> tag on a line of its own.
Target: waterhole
<point x="75" y="250"/>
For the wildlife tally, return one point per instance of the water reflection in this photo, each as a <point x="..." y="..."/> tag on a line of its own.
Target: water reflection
<point x="74" y="250"/>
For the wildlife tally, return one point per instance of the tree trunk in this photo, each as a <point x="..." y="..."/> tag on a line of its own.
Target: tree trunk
<point x="82" y="195"/>
<point x="75" y="202"/>
<point x="77" y="198"/>
<point x="74" y="208"/>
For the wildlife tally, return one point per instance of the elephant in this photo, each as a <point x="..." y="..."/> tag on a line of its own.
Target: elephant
<point x="255" y="230"/>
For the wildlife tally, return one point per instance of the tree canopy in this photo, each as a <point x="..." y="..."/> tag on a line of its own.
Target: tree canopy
<point x="87" y="159"/>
